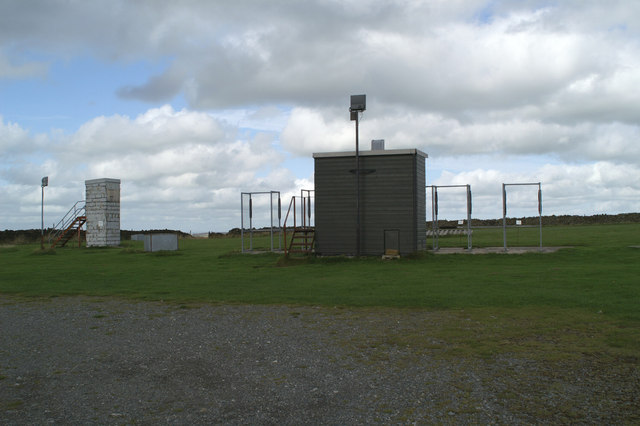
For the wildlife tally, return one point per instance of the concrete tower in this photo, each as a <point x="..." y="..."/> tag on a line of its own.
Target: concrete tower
<point x="103" y="212"/>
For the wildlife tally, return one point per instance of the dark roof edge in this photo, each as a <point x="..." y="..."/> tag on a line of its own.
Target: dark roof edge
<point x="412" y="151"/>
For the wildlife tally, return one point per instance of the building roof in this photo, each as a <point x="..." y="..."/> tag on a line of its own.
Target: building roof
<point x="381" y="152"/>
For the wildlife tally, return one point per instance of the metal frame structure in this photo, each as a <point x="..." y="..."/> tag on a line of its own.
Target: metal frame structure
<point x="307" y="209"/>
<point x="434" y="213"/>
<point x="504" y="210"/>
<point x="250" y="195"/>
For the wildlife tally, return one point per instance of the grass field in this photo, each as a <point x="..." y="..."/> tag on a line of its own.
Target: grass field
<point x="591" y="289"/>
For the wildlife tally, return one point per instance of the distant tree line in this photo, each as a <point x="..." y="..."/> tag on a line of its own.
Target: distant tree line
<point x="599" y="219"/>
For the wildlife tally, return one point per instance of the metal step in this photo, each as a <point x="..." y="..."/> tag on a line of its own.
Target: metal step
<point x="70" y="232"/>
<point x="302" y="241"/>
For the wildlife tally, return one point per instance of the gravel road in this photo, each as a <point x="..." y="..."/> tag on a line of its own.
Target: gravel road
<point x="107" y="361"/>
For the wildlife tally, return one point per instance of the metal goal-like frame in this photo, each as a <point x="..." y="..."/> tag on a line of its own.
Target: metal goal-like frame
<point x="274" y="197"/>
<point x="504" y="210"/>
<point x="434" y="213"/>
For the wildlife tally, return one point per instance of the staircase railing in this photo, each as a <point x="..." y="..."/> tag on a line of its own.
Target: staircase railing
<point x="292" y="204"/>
<point x="305" y="210"/>
<point x="61" y="227"/>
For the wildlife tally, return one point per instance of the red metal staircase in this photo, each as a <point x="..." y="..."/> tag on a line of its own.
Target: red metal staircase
<point x="69" y="226"/>
<point x="68" y="233"/>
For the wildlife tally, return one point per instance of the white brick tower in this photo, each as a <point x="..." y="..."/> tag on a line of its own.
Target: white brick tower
<point x="103" y="212"/>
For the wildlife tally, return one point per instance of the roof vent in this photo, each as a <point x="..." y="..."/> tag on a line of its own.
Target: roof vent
<point x="377" y="145"/>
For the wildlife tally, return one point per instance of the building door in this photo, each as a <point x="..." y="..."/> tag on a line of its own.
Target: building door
<point x="391" y="242"/>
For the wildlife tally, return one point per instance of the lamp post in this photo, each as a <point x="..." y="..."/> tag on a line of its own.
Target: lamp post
<point x="45" y="182"/>
<point x="358" y="105"/>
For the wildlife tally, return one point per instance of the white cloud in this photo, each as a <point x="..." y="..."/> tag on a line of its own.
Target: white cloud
<point x="311" y="131"/>
<point x="14" y="140"/>
<point x="430" y="56"/>
<point x="156" y="129"/>
<point x="594" y="188"/>
<point x="11" y="70"/>
<point x="174" y="163"/>
<point x="492" y="91"/>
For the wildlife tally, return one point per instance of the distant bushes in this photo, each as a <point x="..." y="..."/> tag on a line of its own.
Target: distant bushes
<point x="27" y="236"/>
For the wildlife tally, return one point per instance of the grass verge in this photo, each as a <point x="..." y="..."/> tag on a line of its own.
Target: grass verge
<point x="502" y="302"/>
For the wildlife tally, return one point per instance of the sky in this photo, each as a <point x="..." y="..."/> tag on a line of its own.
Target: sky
<point x="191" y="103"/>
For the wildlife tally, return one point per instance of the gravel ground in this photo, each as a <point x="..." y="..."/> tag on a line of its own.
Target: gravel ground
<point x="106" y="361"/>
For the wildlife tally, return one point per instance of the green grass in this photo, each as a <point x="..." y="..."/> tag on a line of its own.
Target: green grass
<point x="600" y="273"/>
<point x="597" y="236"/>
<point x="597" y="278"/>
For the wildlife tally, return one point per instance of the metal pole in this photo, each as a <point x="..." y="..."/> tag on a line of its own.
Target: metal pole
<point x="357" y="190"/>
<point x="433" y="218"/>
<point x="303" y="209"/>
<point x="279" y="222"/>
<point x="504" y="216"/>
<point x="242" y="221"/>
<point x="271" y="218"/>
<point x="469" y="245"/>
<point x="250" y="223"/>
<point x="42" y="221"/>
<point x="435" y="221"/>
<point x="540" y="210"/>
<point x="428" y="186"/>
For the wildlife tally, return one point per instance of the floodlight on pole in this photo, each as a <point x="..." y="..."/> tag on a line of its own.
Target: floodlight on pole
<point x="358" y="105"/>
<point x="45" y="182"/>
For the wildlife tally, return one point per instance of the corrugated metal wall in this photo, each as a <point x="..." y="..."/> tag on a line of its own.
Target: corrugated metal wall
<point x="392" y="198"/>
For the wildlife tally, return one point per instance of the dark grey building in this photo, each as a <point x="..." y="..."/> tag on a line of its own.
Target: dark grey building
<point x="392" y="202"/>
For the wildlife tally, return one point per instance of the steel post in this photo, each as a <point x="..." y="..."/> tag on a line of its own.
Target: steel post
<point x="357" y="189"/>
<point x="42" y="221"/>
<point x="469" y="238"/>
<point x="504" y="217"/>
